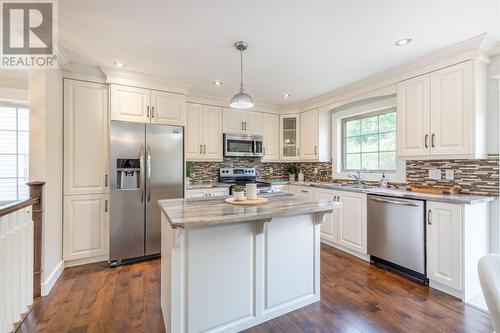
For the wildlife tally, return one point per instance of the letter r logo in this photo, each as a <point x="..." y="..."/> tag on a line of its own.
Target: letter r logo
<point x="27" y="28"/>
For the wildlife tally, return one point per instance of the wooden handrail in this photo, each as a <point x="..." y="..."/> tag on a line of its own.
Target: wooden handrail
<point x="36" y="192"/>
<point x="17" y="205"/>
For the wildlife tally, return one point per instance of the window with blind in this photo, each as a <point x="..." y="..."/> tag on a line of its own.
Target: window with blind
<point x="369" y="142"/>
<point x="14" y="148"/>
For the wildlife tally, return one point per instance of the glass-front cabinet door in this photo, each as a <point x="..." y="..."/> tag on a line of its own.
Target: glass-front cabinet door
<point x="289" y="129"/>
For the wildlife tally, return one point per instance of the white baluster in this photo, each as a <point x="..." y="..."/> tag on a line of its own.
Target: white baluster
<point x="4" y="220"/>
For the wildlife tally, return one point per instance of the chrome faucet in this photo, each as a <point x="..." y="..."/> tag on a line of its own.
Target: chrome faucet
<point x="358" y="176"/>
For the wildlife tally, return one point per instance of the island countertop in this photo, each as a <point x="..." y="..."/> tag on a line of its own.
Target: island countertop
<point x="198" y="213"/>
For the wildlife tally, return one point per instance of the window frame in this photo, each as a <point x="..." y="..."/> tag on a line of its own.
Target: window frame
<point x="343" y="138"/>
<point x="17" y="106"/>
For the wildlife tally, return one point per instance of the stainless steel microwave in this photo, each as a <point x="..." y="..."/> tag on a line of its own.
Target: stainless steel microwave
<point x="242" y="145"/>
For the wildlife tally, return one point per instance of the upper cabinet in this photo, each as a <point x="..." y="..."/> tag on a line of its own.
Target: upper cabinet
<point x="315" y="136"/>
<point x="289" y="137"/>
<point x="242" y="121"/>
<point x="85" y="137"/>
<point x="145" y="105"/>
<point x="204" y="133"/>
<point x="441" y="114"/>
<point x="413" y="116"/>
<point x="271" y="136"/>
<point x="168" y="108"/>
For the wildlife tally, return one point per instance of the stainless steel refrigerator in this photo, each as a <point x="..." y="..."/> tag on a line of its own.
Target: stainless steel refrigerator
<point x="147" y="164"/>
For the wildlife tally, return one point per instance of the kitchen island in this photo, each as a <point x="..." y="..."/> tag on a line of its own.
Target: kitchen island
<point x="225" y="268"/>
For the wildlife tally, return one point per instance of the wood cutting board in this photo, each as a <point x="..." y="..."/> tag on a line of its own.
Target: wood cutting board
<point x="434" y="190"/>
<point x="258" y="201"/>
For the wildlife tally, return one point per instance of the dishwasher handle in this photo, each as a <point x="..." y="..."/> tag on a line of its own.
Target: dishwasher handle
<point x="395" y="202"/>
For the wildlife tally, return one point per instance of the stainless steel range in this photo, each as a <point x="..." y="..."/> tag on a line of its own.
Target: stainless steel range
<point x="241" y="177"/>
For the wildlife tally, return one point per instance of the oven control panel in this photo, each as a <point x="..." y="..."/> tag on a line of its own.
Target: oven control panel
<point x="235" y="172"/>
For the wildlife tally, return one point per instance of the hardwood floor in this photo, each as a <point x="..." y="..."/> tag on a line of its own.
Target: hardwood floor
<point x="355" y="297"/>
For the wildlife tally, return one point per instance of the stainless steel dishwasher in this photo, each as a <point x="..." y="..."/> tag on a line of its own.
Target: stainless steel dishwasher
<point x="396" y="235"/>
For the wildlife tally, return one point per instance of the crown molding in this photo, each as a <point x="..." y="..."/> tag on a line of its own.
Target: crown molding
<point x="224" y="102"/>
<point x="479" y="47"/>
<point x="83" y="72"/>
<point x="136" y="79"/>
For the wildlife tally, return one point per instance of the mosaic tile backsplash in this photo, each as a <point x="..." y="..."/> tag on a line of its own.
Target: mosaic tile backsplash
<point x="471" y="176"/>
<point x="206" y="172"/>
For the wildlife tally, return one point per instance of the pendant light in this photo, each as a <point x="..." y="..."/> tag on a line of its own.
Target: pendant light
<point x="241" y="100"/>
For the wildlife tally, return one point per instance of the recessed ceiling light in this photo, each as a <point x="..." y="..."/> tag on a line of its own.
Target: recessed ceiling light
<point x="285" y="96"/>
<point x="403" y="42"/>
<point x="119" y="64"/>
<point x="217" y="83"/>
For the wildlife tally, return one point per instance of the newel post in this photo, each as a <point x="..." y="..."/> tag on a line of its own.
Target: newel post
<point x="36" y="192"/>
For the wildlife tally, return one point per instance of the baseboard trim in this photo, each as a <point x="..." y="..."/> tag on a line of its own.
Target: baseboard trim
<point x="51" y="280"/>
<point x="346" y="250"/>
<point x="85" y="261"/>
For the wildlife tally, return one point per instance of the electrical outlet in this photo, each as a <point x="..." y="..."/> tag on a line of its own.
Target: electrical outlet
<point x="435" y="174"/>
<point x="450" y="175"/>
<point x="315" y="171"/>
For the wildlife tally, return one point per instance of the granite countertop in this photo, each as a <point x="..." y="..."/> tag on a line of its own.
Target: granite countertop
<point x="206" y="185"/>
<point x="467" y="199"/>
<point x="198" y="213"/>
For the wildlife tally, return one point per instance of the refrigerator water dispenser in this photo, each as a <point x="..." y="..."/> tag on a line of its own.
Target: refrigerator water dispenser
<point x="128" y="174"/>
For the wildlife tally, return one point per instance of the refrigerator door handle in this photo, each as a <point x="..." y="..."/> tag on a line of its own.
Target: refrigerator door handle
<point x="148" y="171"/>
<point x="141" y="172"/>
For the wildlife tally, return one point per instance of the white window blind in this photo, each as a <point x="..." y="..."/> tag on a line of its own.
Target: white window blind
<point x="14" y="149"/>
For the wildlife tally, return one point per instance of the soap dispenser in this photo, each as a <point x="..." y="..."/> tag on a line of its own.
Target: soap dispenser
<point x="383" y="181"/>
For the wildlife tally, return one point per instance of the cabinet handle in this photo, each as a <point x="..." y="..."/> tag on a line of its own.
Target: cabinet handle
<point x="245" y="125"/>
<point x="429" y="217"/>
<point x="152" y="112"/>
<point x="432" y="140"/>
<point x="304" y="191"/>
<point x="201" y="149"/>
<point x="147" y="110"/>
<point x="242" y="126"/>
<point x="105" y="180"/>
<point x="315" y="150"/>
<point x="427" y="141"/>
<point x="264" y="151"/>
<point x="204" y="149"/>
<point x="106" y="205"/>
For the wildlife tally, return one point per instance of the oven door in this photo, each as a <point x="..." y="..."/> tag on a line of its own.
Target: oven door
<point x="239" y="145"/>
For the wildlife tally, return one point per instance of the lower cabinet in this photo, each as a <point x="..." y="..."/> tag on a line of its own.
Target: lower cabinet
<point x="207" y="192"/>
<point x="86" y="226"/>
<point x="444" y="239"/>
<point x="346" y="227"/>
<point x="351" y="220"/>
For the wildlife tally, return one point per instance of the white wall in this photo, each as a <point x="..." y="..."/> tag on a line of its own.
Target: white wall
<point x="493" y="105"/>
<point x="14" y="86"/>
<point x="45" y="102"/>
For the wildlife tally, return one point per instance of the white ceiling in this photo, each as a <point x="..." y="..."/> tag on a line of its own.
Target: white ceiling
<point x="305" y="48"/>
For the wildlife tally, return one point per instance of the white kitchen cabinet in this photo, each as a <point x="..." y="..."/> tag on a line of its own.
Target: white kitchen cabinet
<point x="351" y="221"/>
<point x="452" y="110"/>
<point x="457" y="238"/>
<point x="85" y="137"/>
<point x="145" y="105"/>
<point x="444" y="239"/>
<point x="413" y="116"/>
<point x="130" y="103"/>
<point x="207" y="192"/>
<point x="289" y="137"/>
<point x="242" y="121"/>
<point x="86" y="226"/>
<point x="315" y="136"/>
<point x="204" y="133"/>
<point x="168" y="108"/>
<point x="212" y="133"/>
<point x="330" y="227"/>
<point x="442" y="114"/>
<point x="271" y="136"/>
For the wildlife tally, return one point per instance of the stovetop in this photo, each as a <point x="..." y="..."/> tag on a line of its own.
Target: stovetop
<point x="240" y="176"/>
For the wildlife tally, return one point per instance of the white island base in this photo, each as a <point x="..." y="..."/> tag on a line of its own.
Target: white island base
<point x="229" y="277"/>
